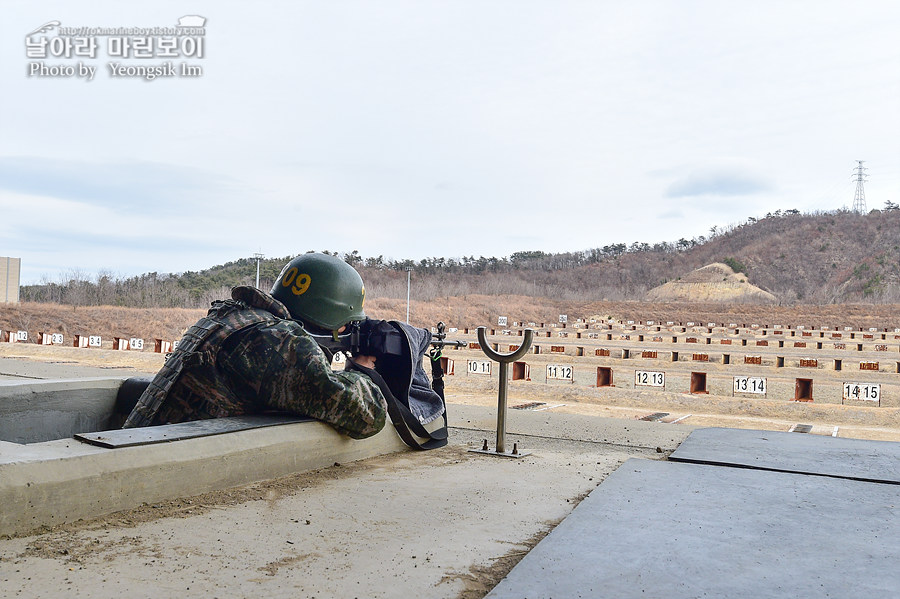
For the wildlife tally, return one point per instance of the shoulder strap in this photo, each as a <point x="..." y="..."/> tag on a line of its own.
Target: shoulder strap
<point x="407" y="425"/>
<point x="437" y="382"/>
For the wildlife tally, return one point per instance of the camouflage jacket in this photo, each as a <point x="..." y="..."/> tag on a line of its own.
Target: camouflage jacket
<point x="247" y="356"/>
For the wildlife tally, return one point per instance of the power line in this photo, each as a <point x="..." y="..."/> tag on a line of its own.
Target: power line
<point x="258" y="257"/>
<point x="859" y="198"/>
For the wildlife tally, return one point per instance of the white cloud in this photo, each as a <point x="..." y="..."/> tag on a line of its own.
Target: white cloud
<point x="720" y="180"/>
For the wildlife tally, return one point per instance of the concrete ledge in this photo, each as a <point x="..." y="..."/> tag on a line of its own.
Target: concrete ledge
<point x="43" y="410"/>
<point x="191" y="429"/>
<point x="60" y="481"/>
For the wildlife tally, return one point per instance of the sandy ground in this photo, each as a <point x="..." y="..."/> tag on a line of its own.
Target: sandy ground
<point x="709" y="411"/>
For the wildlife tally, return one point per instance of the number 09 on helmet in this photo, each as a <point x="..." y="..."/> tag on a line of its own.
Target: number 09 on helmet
<point x="321" y="290"/>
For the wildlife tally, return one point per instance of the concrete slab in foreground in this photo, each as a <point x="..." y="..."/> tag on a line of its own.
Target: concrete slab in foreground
<point x="664" y="529"/>
<point x="876" y="461"/>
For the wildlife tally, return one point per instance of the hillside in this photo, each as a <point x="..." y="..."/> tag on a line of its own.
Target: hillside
<point x="824" y="258"/>
<point x="715" y="282"/>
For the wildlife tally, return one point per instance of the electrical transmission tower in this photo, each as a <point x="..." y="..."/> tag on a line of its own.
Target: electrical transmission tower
<point x="859" y="198"/>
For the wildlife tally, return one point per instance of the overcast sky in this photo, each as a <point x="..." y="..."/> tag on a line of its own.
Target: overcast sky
<point x="426" y="128"/>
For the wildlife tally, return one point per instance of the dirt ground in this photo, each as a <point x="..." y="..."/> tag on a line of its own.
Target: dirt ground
<point x="708" y="410"/>
<point x="711" y="411"/>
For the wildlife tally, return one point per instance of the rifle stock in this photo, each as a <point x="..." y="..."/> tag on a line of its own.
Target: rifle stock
<point x="376" y="338"/>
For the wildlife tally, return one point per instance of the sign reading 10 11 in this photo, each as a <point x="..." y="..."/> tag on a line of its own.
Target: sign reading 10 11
<point x="649" y="378"/>
<point x="750" y="384"/>
<point x="480" y="367"/>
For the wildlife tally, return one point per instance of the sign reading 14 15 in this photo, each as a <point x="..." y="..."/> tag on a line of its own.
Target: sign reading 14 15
<point x="862" y="391"/>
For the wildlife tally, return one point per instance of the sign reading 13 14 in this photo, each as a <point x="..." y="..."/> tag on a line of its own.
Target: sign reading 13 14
<point x="649" y="378"/>
<point x="750" y="384"/>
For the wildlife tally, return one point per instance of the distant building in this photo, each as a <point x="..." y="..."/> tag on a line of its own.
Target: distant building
<point x="10" y="269"/>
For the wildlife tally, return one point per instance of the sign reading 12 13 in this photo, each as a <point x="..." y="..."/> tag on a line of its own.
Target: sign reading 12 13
<point x="649" y="378"/>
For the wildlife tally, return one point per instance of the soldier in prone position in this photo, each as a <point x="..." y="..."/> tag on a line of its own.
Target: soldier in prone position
<point x="254" y="353"/>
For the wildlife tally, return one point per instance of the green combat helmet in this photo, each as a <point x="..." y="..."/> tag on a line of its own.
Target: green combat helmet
<point x="321" y="290"/>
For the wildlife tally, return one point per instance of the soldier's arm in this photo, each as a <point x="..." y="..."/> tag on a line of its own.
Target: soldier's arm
<point x="302" y="381"/>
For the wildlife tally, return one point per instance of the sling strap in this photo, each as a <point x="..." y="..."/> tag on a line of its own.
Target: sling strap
<point x="406" y="424"/>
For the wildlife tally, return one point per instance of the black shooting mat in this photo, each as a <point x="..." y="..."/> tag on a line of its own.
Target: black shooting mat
<point x="149" y="435"/>
<point x="665" y="529"/>
<point x="858" y="459"/>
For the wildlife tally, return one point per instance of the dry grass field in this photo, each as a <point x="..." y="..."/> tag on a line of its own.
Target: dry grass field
<point x="464" y="311"/>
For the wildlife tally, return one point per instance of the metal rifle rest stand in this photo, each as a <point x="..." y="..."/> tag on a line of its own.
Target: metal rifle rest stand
<point x="504" y="360"/>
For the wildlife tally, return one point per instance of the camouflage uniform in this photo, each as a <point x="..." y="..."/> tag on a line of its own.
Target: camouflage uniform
<point x="247" y="356"/>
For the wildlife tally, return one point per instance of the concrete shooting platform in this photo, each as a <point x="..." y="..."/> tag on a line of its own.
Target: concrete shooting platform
<point x="61" y="459"/>
<point x="669" y="529"/>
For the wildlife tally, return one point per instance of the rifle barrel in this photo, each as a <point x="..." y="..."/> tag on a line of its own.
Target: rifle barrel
<point x="445" y="343"/>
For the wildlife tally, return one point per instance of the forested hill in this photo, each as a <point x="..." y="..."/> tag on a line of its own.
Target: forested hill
<point x="832" y="257"/>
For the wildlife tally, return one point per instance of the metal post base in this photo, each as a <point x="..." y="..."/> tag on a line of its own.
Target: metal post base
<point x="515" y="453"/>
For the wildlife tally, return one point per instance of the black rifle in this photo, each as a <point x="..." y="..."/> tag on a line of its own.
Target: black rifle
<point x="377" y="338"/>
<point x="392" y="374"/>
